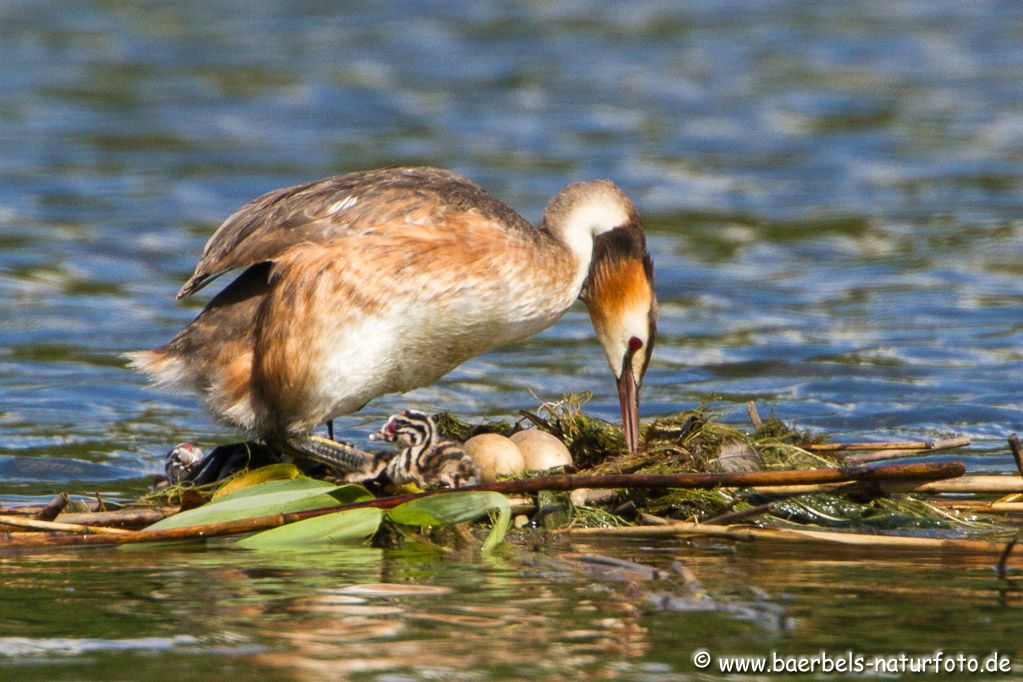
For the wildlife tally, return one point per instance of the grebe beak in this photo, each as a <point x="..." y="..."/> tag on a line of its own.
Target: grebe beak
<point x="628" y="399"/>
<point x="623" y="308"/>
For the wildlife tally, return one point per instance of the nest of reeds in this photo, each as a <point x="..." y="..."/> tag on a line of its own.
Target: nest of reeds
<point x="695" y="440"/>
<point x="691" y="467"/>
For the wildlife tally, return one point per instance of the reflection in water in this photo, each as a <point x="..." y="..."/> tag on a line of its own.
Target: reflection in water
<point x="345" y="612"/>
<point x="509" y="621"/>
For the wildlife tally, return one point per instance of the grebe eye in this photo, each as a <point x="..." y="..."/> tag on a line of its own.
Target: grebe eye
<point x="635" y="344"/>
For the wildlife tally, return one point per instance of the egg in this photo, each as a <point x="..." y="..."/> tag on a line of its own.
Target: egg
<point x="540" y="450"/>
<point x="495" y="456"/>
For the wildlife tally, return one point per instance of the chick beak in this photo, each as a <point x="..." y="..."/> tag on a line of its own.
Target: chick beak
<point x="628" y="400"/>
<point x="386" y="433"/>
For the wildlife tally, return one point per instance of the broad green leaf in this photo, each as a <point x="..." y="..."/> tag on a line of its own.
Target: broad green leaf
<point x="274" y="497"/>
<point x="271" y="472"/>
<point x="456" y="507"/>
<point x="351" y="492"/>
<point x="270" y="487"/>
<point x="447" y="508"/>
<point x="353" y="524"/>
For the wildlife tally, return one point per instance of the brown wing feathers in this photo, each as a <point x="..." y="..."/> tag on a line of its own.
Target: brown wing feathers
<point x="318" y="212"/>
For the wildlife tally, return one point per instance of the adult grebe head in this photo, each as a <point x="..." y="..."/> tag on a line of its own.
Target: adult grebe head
<point x="619" y="285"/>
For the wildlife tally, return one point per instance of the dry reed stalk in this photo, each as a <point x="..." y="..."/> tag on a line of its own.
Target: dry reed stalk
<point x="131" y="517"/>
<point x="733" y="516"/>
<point x="979" y="483"/>
<point x="37" y="524"/>
<point x="960" y="504"/>
<point x="789" y="490"/>
<point x="121" y="518"/>
<point x="881" y="455"/>
<point x="912" y="471"/>
<point x="1017" y="452"/>
<point x="941" y="444"/>
<point x="1007" y="507"/>
<point x="23" y="540"/>
<point x="992" y="506"/>
<point x="746" y="533"/>
<point x="22" y="510"/>
<point x="54" y="507"/>
<point x="976" y="483"/>
<point x="754" y="415"/>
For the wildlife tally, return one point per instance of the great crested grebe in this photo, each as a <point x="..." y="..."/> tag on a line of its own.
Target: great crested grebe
<point x="425" y="458"/>
<point x="383" y="281"/>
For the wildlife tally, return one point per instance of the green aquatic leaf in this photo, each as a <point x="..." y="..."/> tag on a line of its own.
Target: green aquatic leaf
<point x="346" y="526"/>
<point x="447" y="508"/>
<point x="350" y="493"/>
<point x="271" y="472"/>
<point x="274" y="497"/>
<point x="279" y="485"/>
<point x="451" y="508"/>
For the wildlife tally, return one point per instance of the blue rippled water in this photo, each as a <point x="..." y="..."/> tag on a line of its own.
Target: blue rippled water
<point x="832" y="192"/>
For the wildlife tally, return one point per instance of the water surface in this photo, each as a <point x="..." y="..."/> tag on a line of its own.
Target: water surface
<point x="386" y="614"/>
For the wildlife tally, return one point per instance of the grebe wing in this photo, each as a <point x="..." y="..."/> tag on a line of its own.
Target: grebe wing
<point x="321" y="211"/>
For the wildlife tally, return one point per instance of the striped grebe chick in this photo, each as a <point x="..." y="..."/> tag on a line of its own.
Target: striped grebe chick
<point x="426" y="457"/>
<point x="383" y="281"/>
<point x="182" y="462"/>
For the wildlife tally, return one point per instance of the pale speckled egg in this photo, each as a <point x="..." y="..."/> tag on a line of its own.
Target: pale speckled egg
<point x="540" y="450"/>
<point x="495" y="456"/>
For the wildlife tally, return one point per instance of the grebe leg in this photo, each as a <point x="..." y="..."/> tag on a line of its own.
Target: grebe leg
<point x="340" y="456"/>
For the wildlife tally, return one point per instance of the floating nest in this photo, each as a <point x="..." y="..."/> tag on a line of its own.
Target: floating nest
<point x="695" y="441"/>
<point x="689" y="445"/>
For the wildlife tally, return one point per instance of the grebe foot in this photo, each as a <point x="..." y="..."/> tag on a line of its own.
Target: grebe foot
<point x="340" y="456"/>
<point x="225" y="460"/>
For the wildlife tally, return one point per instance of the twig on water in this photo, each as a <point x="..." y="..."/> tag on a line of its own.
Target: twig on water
<point x="1004" y="558"/>
<point x="121" y="518"/>
<point x="879" y="455"/>
<point x="984" y="506"/>
<point x="976" y="483"/>
<point x="823" y="538"/>
<point x="1017" y="452"/>
<point x="54" y="507"/>
<point x="733" y="516"/>
<point x="36" y="524"/>
<point x="754" y="415"/>
<point x="941" y="444"/>
<point x="537" y="420"/>
<point x="979" y="483"/>
<point x="653" y="520"/>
